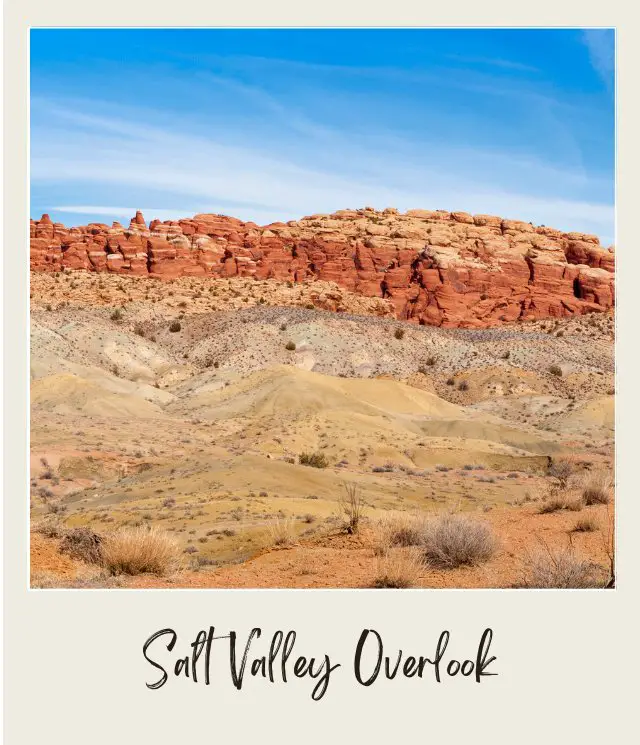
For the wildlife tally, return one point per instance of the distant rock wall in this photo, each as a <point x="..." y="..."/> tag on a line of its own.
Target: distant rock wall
<point x="439" y="268"/>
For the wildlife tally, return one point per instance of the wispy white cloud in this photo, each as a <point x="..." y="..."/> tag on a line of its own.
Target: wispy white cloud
<point x="123" y="212"/>
<point x="601" y="46"/>
<point x="305" y="169"/>
<point x="494" y="62"/>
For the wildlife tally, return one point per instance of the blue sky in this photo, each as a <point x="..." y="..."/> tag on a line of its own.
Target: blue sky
<point x="272" y="125"/>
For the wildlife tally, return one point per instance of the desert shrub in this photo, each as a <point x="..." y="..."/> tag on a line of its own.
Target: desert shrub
<point x="399" y="333"/>
<point x="352" y="508"/>
<point x="451" y="381"/>
<point x="586" y="524"/>
<point x="56" y="508"/>
<point x="315" y="460"/>
<point x="116" y="315"/>
<point x="140" y="550"/>
<point x="429" y="362"/>
<point x="452" y="540"/>
<point x="281" y="531"/>
<point x="561" y="569"/>
<point x="139" y="330"/>
<point x="290" y="345"/>
<point x="556" y="370"/>
<point x="464" y="386"/>
<point x="175" y="326"/>
<point x="561" y="470"/>
<point x="399" y="568"/>
<point x="596" y="488"/>
<point x="84" y="544"/>
<point x="283" y="327"/>
<point x="506" y="355"/>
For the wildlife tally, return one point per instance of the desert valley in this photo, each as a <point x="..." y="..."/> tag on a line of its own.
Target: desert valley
<point x="356" y="400"/>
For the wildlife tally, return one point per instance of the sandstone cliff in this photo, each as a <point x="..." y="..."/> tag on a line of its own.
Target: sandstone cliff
<point x="438" y="268"/>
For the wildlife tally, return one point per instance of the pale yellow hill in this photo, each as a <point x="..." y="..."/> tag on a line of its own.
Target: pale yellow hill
<point x="296" y="393"/>
<point x="499" y="433"/>
<point x="596" y="413"/>
<point x="68" y="394"/>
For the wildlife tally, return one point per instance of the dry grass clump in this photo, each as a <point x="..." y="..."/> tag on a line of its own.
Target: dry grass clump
<point x="558" y="496"/>
<point x="561" y="569"/>
<point x="398" y="530"/>
<point x="352" y="508"/>
<point x="315" y="460"/>
<point x="281" y="531"/>
<point x="140" y="550"/>
<point x="453" y="540"/>
<point x="587" y="524"/>
<point x="560" y="501"/>
<point x="399" y="568"/>
<point x="92" y="578"/>
<point x="50" y="527"/>
<point x="596" y="488"/>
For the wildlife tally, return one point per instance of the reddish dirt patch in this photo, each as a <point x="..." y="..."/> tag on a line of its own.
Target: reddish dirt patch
<point x="340" y="561"/>
<point x="46" y="557"/>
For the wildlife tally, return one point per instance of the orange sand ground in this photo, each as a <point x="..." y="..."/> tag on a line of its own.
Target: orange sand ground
<point x="342" y="561"/>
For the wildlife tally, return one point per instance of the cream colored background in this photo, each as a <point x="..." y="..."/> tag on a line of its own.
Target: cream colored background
<point x="74" y="666"/>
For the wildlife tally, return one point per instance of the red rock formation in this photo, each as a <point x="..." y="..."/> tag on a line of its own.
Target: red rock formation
<point x="436" y="267"/>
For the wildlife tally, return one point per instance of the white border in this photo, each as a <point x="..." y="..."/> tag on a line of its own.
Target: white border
<point x="74" y="664"/>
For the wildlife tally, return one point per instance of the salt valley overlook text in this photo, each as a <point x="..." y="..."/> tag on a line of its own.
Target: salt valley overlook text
<point x="276" y="659"/>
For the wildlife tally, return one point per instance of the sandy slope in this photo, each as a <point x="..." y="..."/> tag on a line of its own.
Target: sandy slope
<point x="200" y="430"/>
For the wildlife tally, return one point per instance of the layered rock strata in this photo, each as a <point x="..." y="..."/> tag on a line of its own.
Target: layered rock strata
<point x="439" y="268"/>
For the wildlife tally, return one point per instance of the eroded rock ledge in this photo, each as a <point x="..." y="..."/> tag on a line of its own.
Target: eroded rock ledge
<point x="438" y="268"/>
